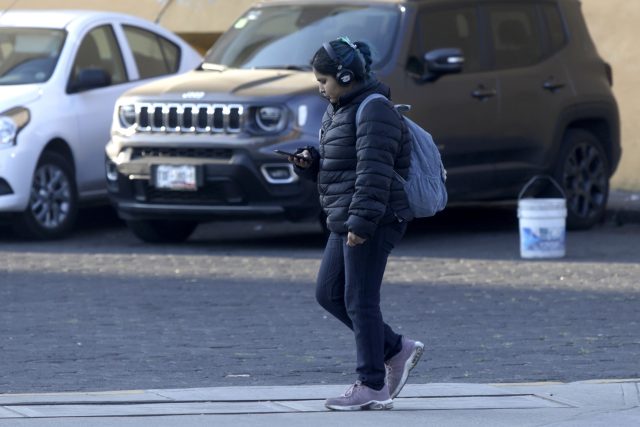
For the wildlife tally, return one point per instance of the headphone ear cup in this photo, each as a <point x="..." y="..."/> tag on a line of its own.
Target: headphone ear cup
<point x="344" y="77"/>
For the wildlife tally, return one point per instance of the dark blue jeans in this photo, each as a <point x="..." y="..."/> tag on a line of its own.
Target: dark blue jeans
<point x="348" y="287"/>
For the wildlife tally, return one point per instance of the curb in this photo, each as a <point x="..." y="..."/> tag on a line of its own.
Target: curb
<point x="623" y="207"/>
<point x="305" y="404"/>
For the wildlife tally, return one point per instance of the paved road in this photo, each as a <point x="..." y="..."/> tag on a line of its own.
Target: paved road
<point x="235" y="306"/>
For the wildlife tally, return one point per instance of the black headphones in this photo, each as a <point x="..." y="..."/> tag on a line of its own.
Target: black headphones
<point x="344" y="76"/>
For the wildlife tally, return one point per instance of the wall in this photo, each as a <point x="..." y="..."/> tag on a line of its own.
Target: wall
<point x="199" y="22"/>
<point x="615" y="28"/>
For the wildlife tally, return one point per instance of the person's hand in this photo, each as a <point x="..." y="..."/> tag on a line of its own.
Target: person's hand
<point x="354" y="240"/>
<point x="302" y="163"/>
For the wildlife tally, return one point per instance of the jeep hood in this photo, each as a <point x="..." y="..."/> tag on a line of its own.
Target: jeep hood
<point x="18" y="95"/>
<point x="230" y="83"/>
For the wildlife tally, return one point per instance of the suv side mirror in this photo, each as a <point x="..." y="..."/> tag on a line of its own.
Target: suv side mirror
<point x="440" y="62"/>
<point x="444" y="61"/>
<point x="90" y="78"/>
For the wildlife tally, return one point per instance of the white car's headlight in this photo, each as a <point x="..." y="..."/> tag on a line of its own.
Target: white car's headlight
<point x="271" y="119"/>
<point x="11" y="123"/>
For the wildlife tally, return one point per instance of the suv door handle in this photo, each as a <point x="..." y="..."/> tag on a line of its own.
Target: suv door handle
<point x="552" y="86"/>
<point x="483" y="93"/>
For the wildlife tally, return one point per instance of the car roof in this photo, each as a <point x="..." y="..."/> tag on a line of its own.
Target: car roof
<point x="56" y="19"/>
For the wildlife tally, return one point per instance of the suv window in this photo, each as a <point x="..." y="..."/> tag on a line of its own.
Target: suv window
<point x="555" y="27"/>
<point x="286" y="36"/>
<point x="99" y="49"/>
<point x="515" y="33"/>
<point x="451" y="28"/>
<point x="154" y="55"/>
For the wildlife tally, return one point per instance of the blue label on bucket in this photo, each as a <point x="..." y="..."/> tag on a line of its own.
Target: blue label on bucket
<point x="543" y="239"/>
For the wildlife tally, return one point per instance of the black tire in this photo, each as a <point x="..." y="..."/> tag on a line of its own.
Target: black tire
<point x="53" y="204"/>
<point x="162" y="231"/>
<point x="583" y="171"/>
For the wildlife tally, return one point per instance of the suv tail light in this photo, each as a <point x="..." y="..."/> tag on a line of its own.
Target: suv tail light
<point x="609" y="72"/>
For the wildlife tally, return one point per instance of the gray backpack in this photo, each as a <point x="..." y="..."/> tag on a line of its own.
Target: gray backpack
<point x="425" y="185"/>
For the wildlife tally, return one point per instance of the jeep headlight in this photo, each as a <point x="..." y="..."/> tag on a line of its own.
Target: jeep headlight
<point x="270" y="119"/>
<point x="11" y="123"/>
<point x="127" y="115"/>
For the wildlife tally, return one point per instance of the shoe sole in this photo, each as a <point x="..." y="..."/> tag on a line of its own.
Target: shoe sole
<point x="418" y="349"/>
<point x="373" y="405"/>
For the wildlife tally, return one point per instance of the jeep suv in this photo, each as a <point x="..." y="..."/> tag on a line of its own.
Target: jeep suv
<point x="508" y="89"/>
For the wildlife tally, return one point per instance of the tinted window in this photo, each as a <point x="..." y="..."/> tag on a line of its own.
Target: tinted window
<point x="171" y="54"/>
<point x="516" y="35"/>
<point x="281" y="36"/>
<point x="154" y="55"/>
<point x="452" y="28"/>
<point x="555" y="27"/>
<point x="99" y="49"/>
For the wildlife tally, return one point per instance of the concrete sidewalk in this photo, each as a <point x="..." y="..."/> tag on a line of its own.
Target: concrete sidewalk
<point x="584" y="404"/>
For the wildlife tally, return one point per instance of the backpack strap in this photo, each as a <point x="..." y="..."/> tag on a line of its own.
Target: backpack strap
<point x="364" y="104"/>
<point x="400" y="108"/>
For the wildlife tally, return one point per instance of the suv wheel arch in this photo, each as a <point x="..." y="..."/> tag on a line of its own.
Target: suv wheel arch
<point x="599" y="119"/>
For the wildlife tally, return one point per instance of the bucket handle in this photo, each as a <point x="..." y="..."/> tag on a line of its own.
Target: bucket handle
<point x="537" y="177"/>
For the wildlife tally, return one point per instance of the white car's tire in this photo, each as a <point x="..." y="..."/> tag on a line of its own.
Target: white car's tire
<point x="53" y="203"/>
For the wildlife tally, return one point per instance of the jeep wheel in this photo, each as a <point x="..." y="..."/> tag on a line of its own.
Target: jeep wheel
<point x="583" y="173"/>
<point x="162" y="231"/>
<point x="53" y="204"/>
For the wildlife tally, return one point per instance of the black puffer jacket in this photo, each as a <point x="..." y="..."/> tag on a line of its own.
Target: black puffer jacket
<point x="355" y="167"/>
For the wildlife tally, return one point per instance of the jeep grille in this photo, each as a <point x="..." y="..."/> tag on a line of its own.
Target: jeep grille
<point x="189" y="118"/>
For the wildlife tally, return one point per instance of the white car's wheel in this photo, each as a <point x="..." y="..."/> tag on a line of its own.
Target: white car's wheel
<point x="53" y="204"/>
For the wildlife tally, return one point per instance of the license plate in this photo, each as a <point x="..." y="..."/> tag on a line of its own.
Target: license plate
<point x="176" y="177"/>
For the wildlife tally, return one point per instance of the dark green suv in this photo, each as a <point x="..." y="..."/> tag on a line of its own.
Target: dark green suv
<point x="509" y="90"/>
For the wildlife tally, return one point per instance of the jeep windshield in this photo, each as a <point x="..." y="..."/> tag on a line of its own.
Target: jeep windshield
<point x="28" y="55"/>
<point x="288" y="36"/>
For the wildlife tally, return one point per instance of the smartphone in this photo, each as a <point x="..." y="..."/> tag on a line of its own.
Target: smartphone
<point x="285" y="153"/>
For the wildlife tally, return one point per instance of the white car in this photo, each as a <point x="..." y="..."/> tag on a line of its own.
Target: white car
<point x="60" y="75"/>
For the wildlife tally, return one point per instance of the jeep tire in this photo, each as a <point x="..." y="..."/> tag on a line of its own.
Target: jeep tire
<point x="583" y="172"/>
<point x="162" y="231"/>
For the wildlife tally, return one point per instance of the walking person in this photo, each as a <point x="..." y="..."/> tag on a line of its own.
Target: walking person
<point x="367" y="213"/>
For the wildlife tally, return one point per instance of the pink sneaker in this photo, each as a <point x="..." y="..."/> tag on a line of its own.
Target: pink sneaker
<point x="359" y="396"/>
<point x="399" y="366"/>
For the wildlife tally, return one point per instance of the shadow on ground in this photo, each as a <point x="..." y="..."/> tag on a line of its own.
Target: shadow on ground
<point x="471" y="232"/>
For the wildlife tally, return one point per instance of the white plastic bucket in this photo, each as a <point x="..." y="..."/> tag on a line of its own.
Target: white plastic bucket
<point x="542" y="224"/>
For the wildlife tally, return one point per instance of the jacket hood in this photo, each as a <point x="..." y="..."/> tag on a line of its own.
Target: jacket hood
<point x="230" y="83"/>
<point x="18" y="95"/>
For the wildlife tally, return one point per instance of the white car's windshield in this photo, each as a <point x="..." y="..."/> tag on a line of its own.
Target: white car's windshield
<point x="28" y="55"/>
<point x="288" y="36"/>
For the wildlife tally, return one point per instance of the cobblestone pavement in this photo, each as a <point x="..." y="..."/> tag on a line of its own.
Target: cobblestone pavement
<point x="235" y="306"/>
